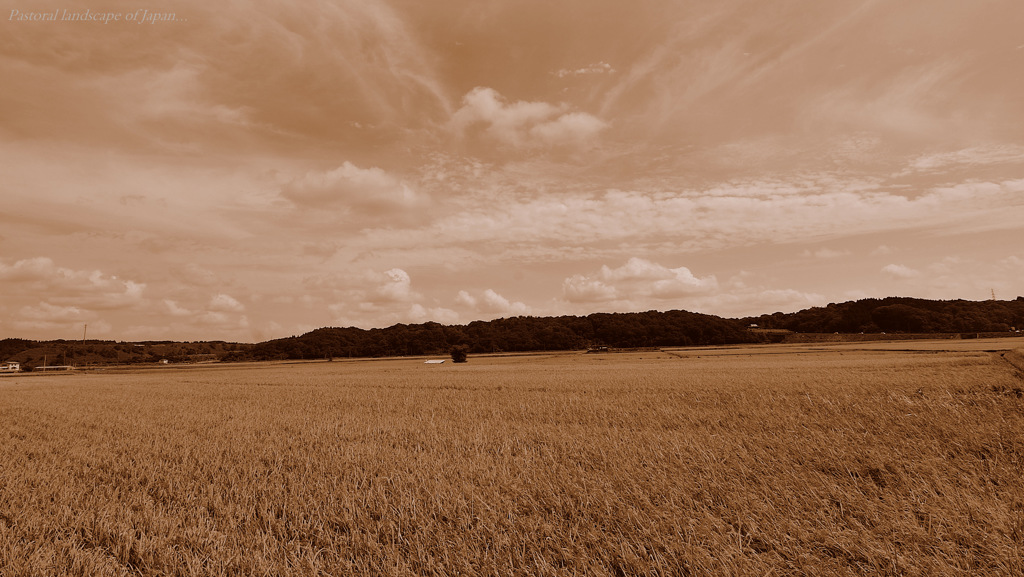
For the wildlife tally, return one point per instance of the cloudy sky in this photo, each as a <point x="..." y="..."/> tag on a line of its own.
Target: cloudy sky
<point x="247" y="170"/>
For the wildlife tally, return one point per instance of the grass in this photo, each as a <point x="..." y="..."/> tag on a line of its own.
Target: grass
<point x="813" y="462"/>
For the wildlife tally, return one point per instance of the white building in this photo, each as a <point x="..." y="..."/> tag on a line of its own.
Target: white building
<point x="10" y="367"/>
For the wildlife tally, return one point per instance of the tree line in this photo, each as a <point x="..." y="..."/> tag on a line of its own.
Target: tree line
<point x="527" y="333"/>
<point x="901" y="315"/>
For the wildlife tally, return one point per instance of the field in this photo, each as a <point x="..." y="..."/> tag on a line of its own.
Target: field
<point x="845" y="459"/>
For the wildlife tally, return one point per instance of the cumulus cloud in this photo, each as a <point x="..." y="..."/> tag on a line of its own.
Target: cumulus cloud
<point x="491" y="303"/>
<point x="30" y="269"/>
<point x="225" y="304"/>
<point x="218" y="317"/>
<point x="582" y="289"/>
<point x="637" y="279"/>
<point x="55" y="314"/>
<point x="57" y="319"/>
<point x="464" y="298"/>
<point x="397" y="287"/>
<point x="174" y="310"/>
<point x="363" y="190"/>
<point x="899" y="271"/>
<point x="417" y="313"/>
<point x="69" y="287"/>
<point x="380" y="298"/>
<point x="524" y="124"/>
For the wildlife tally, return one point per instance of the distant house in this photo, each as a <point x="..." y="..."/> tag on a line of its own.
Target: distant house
<point x="10" y="367"/>
<point x="434" y="362"/>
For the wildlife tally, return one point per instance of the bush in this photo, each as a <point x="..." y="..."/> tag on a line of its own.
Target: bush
<point x="459" y="353"/>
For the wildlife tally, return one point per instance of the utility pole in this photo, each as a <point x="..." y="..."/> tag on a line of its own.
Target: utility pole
<point x="85" y="327"/>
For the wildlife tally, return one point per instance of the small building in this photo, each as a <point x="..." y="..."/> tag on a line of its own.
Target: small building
<point x="10" y="367"/>
<point x="434" y="362"/>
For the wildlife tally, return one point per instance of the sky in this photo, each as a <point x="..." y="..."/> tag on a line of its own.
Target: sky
<point x="249" y="170"/>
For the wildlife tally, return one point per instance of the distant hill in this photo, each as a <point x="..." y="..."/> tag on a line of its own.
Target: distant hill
<point x="93" y="352"/>
<point x="901" y="315"/>
<point x="893" y="315"/>
<point x="647" y="329"/>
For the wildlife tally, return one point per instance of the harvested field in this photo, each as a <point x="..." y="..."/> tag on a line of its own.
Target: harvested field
<point x="817" y="461"/>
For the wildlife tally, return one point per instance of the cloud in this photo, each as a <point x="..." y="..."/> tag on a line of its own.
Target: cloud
<point x="524" y="124"/>
<point x="751" y="301"/>
<point x="174" y="310"/>
<point x="899" y="271"/>
<point x="733" y="214"/>
<point x="30" y="269"/>
<point x="490" y="303"/>
<point x="582" y="289"/>
<point x="825" y="253"/>
<point x="69" y="287"/>
<point x="220" y="316"/>
<point x="58" y="320"/>
<point x="225" y="304"/>
<point x="464" y="298"/>
<point x="598" y="68"/>
<point x="419" y="314"/>
<point x="960" y="277"/>
<point x="49" y="313"/>
<point x="638" y="279"/>
<point x="396" y="288"/>
<point x="969" y="158"/>
<point x="367" y="191"/>
<point x="379" y="298"/>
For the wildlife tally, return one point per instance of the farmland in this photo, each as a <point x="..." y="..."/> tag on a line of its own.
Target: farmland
<point x="841" y="459"/>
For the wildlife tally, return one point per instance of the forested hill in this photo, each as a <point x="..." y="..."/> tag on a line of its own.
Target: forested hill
<point x="647" y="329"/>
<point x="901" y="315"/>
<point x="621" y="330"/>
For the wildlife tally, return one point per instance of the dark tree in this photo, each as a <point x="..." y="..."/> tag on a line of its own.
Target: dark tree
<point x="459" y="353"/>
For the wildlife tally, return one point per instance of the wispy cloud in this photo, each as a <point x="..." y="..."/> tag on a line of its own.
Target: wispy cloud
<point x="598" y="68"/>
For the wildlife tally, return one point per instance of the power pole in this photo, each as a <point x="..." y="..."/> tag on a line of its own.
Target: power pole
<point x="85" y="327"/>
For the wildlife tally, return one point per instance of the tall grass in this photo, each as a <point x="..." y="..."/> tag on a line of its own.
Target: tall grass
<point x="810" y="464"/>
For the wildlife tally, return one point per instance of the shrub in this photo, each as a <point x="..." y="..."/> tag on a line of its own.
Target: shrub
<point x="459" y="353"/>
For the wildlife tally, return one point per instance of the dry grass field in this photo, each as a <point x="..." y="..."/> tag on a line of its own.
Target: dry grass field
<point x="757" y="461"/>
